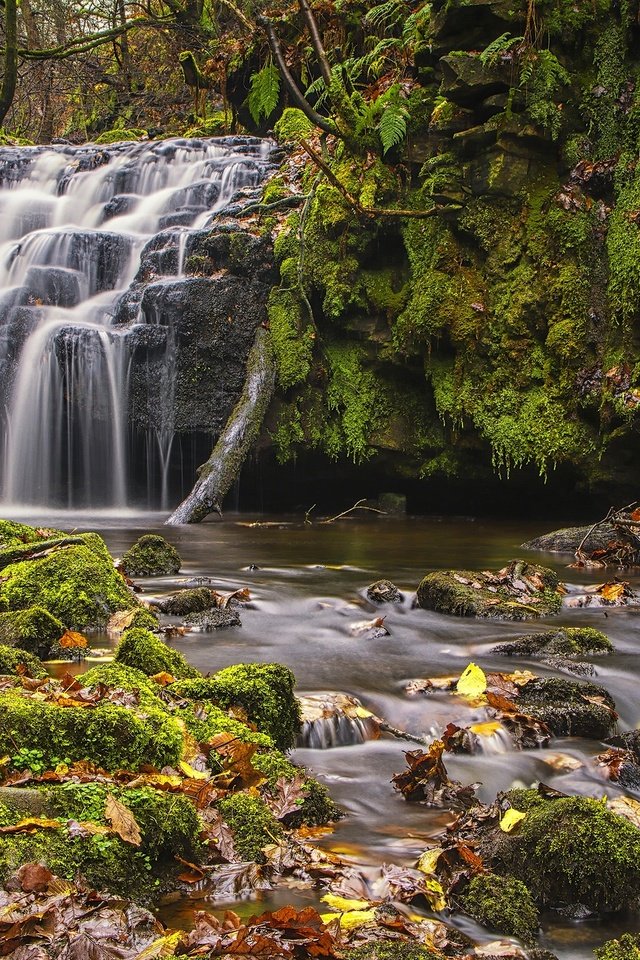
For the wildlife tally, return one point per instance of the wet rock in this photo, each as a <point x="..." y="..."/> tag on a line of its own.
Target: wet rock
<point x="187" y="601"/>
<point x="503" y="904"/>
<point x="383" y="591"/>
<point x="520" y="591"/>
<point x="569" y="708"/>
<point x="466" y="80"/>
<point x="568" y="539"/>
<point x="335" y="720"/>
<point x="214" y="619"/>
<point x="563" y="642"/>
<point x="151" y="556"/>
<point x="629" y="740"/>
<point x="621" y="767"/>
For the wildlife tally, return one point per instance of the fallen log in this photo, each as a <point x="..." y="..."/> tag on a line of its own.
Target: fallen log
<point x="217" y="475"/>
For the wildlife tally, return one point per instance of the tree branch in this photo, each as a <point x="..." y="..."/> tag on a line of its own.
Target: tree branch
<point x="83" y="44"/>
<point x="316" y="40"/>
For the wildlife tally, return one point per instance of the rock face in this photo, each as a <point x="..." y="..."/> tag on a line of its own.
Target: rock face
<point x="521" y="591"/>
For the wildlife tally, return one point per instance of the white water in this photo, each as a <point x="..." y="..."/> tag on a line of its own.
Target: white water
<point x="73" y="225"/>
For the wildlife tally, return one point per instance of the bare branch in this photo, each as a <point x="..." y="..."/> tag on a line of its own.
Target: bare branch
<point x="320" y="52"/>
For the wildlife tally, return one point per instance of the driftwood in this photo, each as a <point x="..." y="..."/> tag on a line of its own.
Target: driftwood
<point x="622" y="552"/>
<point x="217" y="475"/>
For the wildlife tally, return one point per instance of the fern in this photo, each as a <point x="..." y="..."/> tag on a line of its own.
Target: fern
<point x="386" y="15"/>
<point x="393" y="122"/>
<point x="264" y="93"/>
<point x="498" y="48"/>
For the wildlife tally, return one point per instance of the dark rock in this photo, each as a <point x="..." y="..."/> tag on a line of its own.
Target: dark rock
<point x="383" y="591"/>
<point x="568" y="539"/>
<point x="187" y="601"/>
<point x="629" y="740"/>
<point x="214" y="619"/>
<point x="563" y="642"/>
<point x="466" y="80"/>
<point x="569" y="708"/>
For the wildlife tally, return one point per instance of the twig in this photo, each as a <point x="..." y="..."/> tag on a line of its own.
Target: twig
<point x="357" y="506"/>
<point x="401" y="734"/>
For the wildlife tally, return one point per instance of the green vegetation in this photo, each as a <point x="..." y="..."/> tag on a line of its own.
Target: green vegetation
<point x="33" y="629"/>
<point x="503" y="904"/>
<point x="146" y="652"/>
<point x="11" y="659"/>
<point x="151" y="556"/>
<point x="252" y="823"/>
<point x="627" y="947"/>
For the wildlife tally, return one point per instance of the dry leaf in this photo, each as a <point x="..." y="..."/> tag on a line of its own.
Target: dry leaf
<point x="72" y="640"/>
<point x="122" y="821"/>
<point x="511" y="819"/>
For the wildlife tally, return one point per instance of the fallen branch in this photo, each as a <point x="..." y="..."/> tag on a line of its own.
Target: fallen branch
<point x="359" y="505"/>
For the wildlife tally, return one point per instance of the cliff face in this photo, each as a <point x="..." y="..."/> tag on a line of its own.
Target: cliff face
<point x="502" y="330"/>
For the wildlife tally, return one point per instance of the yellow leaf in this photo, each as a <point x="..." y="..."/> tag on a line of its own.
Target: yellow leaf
<point x="122" y="821"/>
<point x="351" y="919"/>
<point x="511" y="819"/>
<point x="362" y="713"/>
<point x="428" y="860"/>
<point x="339" y="903"/>
<point x="473" y="682"/>
<point x="165" y="946"/>
<point x="486" y="729"/>
<point x="435" y="894"/>
<point x="191" y="772"/>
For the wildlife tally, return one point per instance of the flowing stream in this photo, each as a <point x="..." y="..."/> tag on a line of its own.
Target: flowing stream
<point x="308" y="589"/>
<point x="74" y="223"/>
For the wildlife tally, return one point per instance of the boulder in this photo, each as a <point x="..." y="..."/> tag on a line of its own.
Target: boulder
<point x="569" y="708"/>
<point x="187" y="601"/>
<point x="568" y="539"/>
<point x="151" y="556"/>
<point x="563" y="642"/>
<point x="383" y="591"/>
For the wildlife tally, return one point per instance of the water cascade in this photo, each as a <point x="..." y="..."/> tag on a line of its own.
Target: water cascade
<point x="94" y="244"/>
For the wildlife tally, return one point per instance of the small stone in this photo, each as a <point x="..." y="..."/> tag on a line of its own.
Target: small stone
<point x="215" y="619"/>
<point x="383" y="591"/>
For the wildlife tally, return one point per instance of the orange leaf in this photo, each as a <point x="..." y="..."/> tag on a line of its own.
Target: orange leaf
<point x="71" y="639"/>
<point x="163" y="679"/>
<point x="31" y="824"/>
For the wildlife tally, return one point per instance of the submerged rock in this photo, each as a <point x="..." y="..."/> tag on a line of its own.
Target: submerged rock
<point x="151" y="556"/>
<point x="568" y="539"/>
<point x="520" y="591"/>
<point x="569" y="708"/>
<point x="213" y="619"/>
<point x="383" y="591"/>
<point x="187" y="601"/>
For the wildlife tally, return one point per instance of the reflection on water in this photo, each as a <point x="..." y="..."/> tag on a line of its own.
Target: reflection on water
<point x="308" y="588"/>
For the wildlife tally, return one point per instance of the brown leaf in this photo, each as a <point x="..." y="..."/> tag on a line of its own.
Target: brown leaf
<point x="70" y="640"/>
<point x="34" y="877"/>
<point x="31" y="824"/>
<point x="122" y="821"/>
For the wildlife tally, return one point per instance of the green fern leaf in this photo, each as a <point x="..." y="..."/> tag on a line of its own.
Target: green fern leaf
<point x="393" y="126"/>
<point x="264" y="93"/>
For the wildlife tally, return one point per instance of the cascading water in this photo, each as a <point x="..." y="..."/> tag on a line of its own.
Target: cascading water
<point x="74" y="224"/>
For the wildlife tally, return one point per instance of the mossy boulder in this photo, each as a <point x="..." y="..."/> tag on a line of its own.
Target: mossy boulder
<point x="503" y="904"/>
<point x="111" y="736"/>
<point x="521" y="591"/>
<point x="77" y="584"/>
<point x="168" y="823"/>
<point x="264" y="691"/>
<point x="393" y="950"/>
<point x="571" y="850"/>
<point x="627" y="947"/>
<point x="11" y="659"/>
<point x="148" y="653"/>
<point x="187" y="601"/>
<point x="118" y="676"/>
<point x="151" y="556"/>
<point x="13" y="534"/>
<point x="121" y="135"/>
<point x="568" y="539"/>
<point x="569" y="708"/>
<point x="317" y="808"/>
<point x="253" y="824"/>
<point x="563" y="642"/>
<point x="34" y="630"/>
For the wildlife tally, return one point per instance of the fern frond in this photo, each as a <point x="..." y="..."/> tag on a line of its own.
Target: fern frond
<point x="264" y="93"/>
<point x="393" y="125"/>
<point x="498" y="48"/>
<point x="385" y="15"/>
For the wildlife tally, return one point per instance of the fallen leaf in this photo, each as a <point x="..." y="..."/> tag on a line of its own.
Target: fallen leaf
<point x="191" y="772"/>
<point x="122" y="821"/>
<point x="472" y="683"/>
<point x="612" y="591"/>
<point x="34" y="877"/>
<point x="511" y="819"/>
<point x="31" y="824"/>
<point x="70" y="640"/>
<point x="341" y="904"/>
<point x="163" y="679"/>
<point x="486" y="729"/>
<point x="428" y="860"/>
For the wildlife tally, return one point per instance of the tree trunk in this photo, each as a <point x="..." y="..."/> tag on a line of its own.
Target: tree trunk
<point x="241" y="431"/>
<point x="8" y="89"/>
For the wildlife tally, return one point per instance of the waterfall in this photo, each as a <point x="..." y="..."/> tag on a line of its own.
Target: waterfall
<point x="75" y="225"/>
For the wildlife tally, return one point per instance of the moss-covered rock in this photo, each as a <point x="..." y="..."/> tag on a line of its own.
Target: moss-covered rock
<point x="120" y="135"/>
<point x="571" y="850"/>
<point x="14" y="534"/>
<point x="626" y="947"/>
<point x="34" y="630"/>
<point x="317" y="808"/>
<point x="11" y="659"/>
<point x="563" y="642"/>
<point x="187" y="601"/>
<point x="118" y="676"/>
<point x="569" y="708"/>
<point x="263" y="690"/>
<point x="393" y="950"/>
<point x="522" y="591"/>
<point x="147" y="652"/>
<point x="151" y="556"/>
<point x="503" y="904"/>
<point x="111" y="736"/>
<point x="76" y="584"/>
<point x="253" y="824"/>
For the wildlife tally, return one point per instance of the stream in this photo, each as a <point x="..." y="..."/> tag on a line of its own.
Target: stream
<point x="308" y="588"/>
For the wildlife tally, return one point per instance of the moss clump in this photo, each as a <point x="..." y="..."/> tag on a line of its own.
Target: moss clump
<point x="76" y="584"/>
<point x="317" y="808"/>
<point x="14" y="534"/>
<point x="627" y="947"/>
<point x="187" y="601"/>
<point x="11" y="659"/>
<point x="253" y="824"/>
<point x="146" y="652"/>
<point x="168" y="824"/>
<point x="565" y="642"/>
<point x="151" y="556"/>
<point x="572" y="850"/>
<point x="113" y="737"/>
<point x="263" y="690"/>
<point x="503" y="904"/>
<point x="467" y="593"/>
<point x="565" y="708"/>
<point x="204" y="721"/>
<point x="120" y="677"/>
<point x="291" y="336"/>
<point x="34" y="630"/>
<point x="121" y="134"/>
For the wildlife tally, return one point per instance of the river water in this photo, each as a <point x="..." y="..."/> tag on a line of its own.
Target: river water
<point x="308" y="590"/>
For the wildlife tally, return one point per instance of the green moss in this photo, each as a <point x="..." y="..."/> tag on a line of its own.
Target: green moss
<point x="120" y="677"/>
<point x="253" y="825"/>
<point x="503" y="904"/>
<point x="76" y="584"/>
<point x="353" y="395"/>
<point x="214" y="126"/>
<point x="626" y="947"/>
<point x="292" y="338"/>
<point x="121" y="134"/>
<point x="14" y="534"/>
<point x="564" y="706"/>
<point x="34" y="630"/>
<point x="452" y="591"/>
<point x="263" y="690"/>
<point x="204" y="721"/>
<point x="11" y="659"/>
<point x="317" y="807"/>
<point x="564" y="642"/>
<point x="144" y="618"/>
<point x="147" y="652"/>
<point x="151" y="556"/>
<point x="393" y="950"/>
<point x="110" y="736"/>
<point x="574" y="850"/>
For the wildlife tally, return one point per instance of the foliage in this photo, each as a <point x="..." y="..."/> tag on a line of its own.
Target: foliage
<point x="264" y="93"/>
<point x="146" y="652"/>
<point x="253" y="825"/>
<point x="503" y="904"/>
